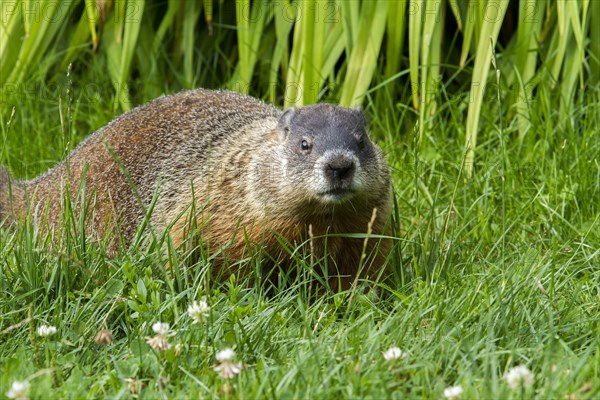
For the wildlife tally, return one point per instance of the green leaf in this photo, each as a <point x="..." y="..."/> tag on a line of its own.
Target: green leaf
<point x="531" y="16"/>
<point x="251" y="19"/>
<point x="141" y="290"/>
<point x="415" y="19"/>
<point x="396" y="27"/>
<point x="489" y="31"/>
<point x="283" y="26"/>
<point x="121" y="46"/>
<point x="363" y="60"/>
<point x="92" y="16"/>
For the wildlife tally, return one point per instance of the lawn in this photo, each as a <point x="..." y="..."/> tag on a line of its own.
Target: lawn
<point x="493" y="272"/>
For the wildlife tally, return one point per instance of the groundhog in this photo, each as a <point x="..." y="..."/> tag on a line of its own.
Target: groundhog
<point x="241" y="172"/>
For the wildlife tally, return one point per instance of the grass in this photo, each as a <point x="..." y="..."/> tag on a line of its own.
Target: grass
<point x="493" y="271"/>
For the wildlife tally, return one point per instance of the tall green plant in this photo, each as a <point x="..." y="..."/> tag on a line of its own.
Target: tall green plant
<point x="250" y="20"/>
<point x="363" y="57"/>
<point x="121" y="46"/>
<point x="299" y="52"/>
<point x="27" y="31"/>
<point x="483" y="57"/>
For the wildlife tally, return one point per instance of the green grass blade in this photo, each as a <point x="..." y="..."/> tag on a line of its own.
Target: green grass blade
<point x="121" y="46"/>
<point x="430" y="64"/>
<point x="134" y="12"/>
<point x="594" y="45"/>
<point x="208" y="14"/>
<point x="78" y="41"/>
<point x="314" y="37"/>
<point x="561" y="13"/>
<point x="294" y="80"/>
<point x="92" y="16"/>
<point x="489" y="30"/>
<point x="415" y="19"/>
<point x="363" y="60"/>
<point x="396" y="27"/>
<point x="39" y="35"/>
<point x="190" y="18"/>
<point x="456" y="12"/>
<point x="350" y="20"/>
<point x="334" y="47"/>
<point x="11" y="32"/>
<point x="576" y="22"/>
<point x="251" y="19"/>
<point x="166" y="23"/>
<point x="283" y="26"/>
<point x="562" y="35"/>
<point x="574" y="58"/>
<point x="308" y="11"/>
<point x="148" y="60"/>
<point x="472" y="22"/>
<point x="120" y="12"/>
<point x="531" y="17"/>
<point x="578" y="32"/>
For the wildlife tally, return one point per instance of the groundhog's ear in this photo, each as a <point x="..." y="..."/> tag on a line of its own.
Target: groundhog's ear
<point x="285" y="121"/>
<point x="361" y="115"/>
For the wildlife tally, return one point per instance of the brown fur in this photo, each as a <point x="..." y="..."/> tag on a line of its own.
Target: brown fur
<point x="231" y="150"/>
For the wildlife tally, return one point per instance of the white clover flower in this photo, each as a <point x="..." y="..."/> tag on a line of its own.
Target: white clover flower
<point x="453" y="392"/>
<point x="198" y="311"/>
<point x="18" y="390"/>
<point x="46" y="330"/>
<point x="394" y="353"/>
<point x="228" y="369"/>
<point x="225" y="355"/>
<point x="161" y="328"/>
<point x="519" y="376"/>
<point x="160" y="342"/>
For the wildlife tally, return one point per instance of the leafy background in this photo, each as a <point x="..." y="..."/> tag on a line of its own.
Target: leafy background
<point x="301" y="52"/>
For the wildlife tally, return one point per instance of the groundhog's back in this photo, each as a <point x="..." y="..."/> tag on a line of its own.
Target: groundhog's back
<point x="167" y="140"/>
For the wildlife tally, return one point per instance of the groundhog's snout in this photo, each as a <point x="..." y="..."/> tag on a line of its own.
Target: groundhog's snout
<point x="337" y="176"/>
<point x="339" y="168"/>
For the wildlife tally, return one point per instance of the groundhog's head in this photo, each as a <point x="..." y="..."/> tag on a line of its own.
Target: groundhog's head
<point x="328" y="156"/>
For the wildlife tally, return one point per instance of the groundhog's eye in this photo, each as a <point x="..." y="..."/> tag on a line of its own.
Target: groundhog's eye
<point x="361" y="143"/>
<point x="305" y="145"/>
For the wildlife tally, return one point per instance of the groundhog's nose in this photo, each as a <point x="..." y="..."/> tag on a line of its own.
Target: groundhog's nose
<point x="340" y="168"/>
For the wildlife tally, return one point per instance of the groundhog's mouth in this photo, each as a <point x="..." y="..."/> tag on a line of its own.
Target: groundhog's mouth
<point x="336" y="195"/>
